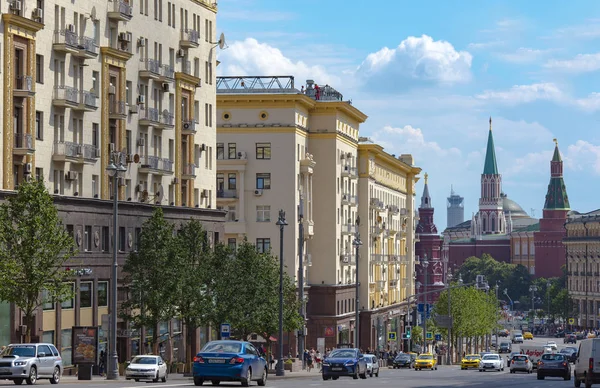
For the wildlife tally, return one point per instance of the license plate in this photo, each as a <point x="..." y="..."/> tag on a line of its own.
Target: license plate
<point x="4" y="370"/>
<point x="488" y="366"/>
<point x="216" y="361"/>
<point x="337" y="368"/>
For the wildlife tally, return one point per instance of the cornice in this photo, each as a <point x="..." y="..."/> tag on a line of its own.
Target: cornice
<point x="114" y="53"/>
<point x="21" y="22"/>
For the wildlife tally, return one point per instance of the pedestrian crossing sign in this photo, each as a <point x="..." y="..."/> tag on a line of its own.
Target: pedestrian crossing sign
<point x="392" y="336"/>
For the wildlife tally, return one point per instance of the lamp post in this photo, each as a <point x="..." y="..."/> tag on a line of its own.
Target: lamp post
<point x="357" y="243"/>
<point x="425" y="264"/>
<point x="533" y="290"/>
<point x="281" y="223"/>
<point x="115" y="169"/>
<point x="301" y="278"/>
<point x="511" y="301"/>
<point x="548" y="300"/>
<point x="497" y="287"/>
<point x="587" y="307"/>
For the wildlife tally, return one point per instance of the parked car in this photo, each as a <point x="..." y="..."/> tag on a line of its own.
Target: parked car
<point x="344" y="362"/>
<point x="580" y="336"/>
<point x="403" y="360"/>
<point x="570" y="339"/>
<point x="570" y="352"/>
<point x="491" y="361"/>
<point x="372" y="365"/>
<point x="147" y="367"/>
<point x="30" y="362"/>
<point x="426" y="361"/>
<point x="528" y="335"/>
<point x="470" y="361"/>
<point x="555" y="365"/>
<point x="505" y="347"/>
<point x="522" y="363"/>
<point x="229" y="361"/>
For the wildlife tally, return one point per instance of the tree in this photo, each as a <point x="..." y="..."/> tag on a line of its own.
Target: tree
<point x="34" y="248"/>
<point x="151" y="273"/>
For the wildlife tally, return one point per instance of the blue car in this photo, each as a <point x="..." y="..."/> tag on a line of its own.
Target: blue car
<point x="229" y="361"/>
<point x="344" y="362"/>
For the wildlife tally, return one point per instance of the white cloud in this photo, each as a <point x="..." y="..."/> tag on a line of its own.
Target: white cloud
<point x="249" y="57"/>
<point x="582" y="155"/>
<point x="582" y="63"/>
<point x="408" y="139"/>
<point x="591" y="103"/>
<point x="524" y="94"/>
<point x="524" y="55"/>
<point x="485" y="45"/>
<point x="416" y="59"/>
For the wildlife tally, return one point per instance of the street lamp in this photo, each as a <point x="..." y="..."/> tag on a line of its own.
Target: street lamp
<point x="281" y="223"/>
<point x="497" y="287"/>
<point x="114" y="170"/>
<point x="548" y="299"/>
<point x="424" y="265"/>
<point x="511" y="301"/>
<point x="301" y="278"/>
<point x="357" y="243"/>
<point x="533" y="290"/>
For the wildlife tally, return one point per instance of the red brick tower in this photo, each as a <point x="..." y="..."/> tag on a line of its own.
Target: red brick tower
<point x="549" y="249"/>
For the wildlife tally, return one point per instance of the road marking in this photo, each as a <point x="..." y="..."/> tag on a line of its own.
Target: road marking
<point x="162" y="385"/>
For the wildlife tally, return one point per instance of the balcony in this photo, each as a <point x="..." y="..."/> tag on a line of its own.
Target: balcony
<point x="156" y="165"/>
<point x="378" y="258"/>
<point x="376" y="229"/>
<point x="347" y="259"/>
<point x="393" y="259"/>
<point x="348" y="199"/>
<point x="65" y="97"/>
<point x="188" y="127"/>
<point x="65" y="151"/>
<point x="117" y="110"/>
<point x="23" y="144"/>
<point x="225" y="195"/>
<point x="393" y="282"/>
<point x="148" y="116"/>
<point x="24" y="86"/>
<point x="121" y="10"/>
<point x="150" y="69"/>
<point x="348" y="171"/>
<point x="166" y="120"/>
<point x="167" y="73"/>
<point x="87" y="102"/>
<point x="349" y="229"/>
<point x="65" y="41"/>
<point x="189" y="171"/>
<point x="189" y="38"/>
<point x="380" y="285"/>
<point x="87" y="48"/>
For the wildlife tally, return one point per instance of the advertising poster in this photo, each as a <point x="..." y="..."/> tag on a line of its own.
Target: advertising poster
<point x="85" y="345"/>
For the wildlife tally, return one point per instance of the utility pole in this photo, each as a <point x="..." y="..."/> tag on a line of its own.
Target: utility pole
<point x="302" y="330"/>
<point x="357" y="243"/>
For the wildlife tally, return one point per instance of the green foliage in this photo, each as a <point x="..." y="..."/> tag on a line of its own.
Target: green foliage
<point x="34" y="246"/>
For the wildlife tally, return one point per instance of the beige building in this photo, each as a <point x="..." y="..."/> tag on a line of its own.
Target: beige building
<point x="85" y="80"/>
<point x="276" y="144"/>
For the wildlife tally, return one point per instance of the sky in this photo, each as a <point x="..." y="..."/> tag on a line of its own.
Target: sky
<point x="430" y="74"/>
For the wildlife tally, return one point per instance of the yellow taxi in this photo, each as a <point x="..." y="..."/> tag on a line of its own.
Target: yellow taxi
<point x="426" y="361"/>
<point x="591" y="335"/>
<point x="527" y="335"/>
<point x="470" y="361"/>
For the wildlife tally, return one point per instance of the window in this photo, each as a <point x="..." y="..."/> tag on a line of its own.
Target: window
<point x="232" y="150"/>
<point x="95" y="80"/>
<point x="263" y="150"/>
<point x="231" y="181"/>
<point x="48" y="303"/>
<point x="263" y="181"/>
<point x="68" y="304"/>
<point x="105" y="239"/>
<point x="231" y="216"/>
<point x="220" y="151"/>
<point x="39" y="174"/>
<point x="40" y="5"/>
<point x="232" y="244"/>
<point x="138" y="236"/>
<point x="48" y="336"/>
<point x="263" y="213"/>
<point x="65" y="349"/>
<point x="95" y="132"/>
<point x="220" y="182"/>
<point x="85" y="294"/>
<point x="102" y="294"/>
<point x="39" y="69"/>
<point x="71" y="233"/>
<point x="263" y="245"/>
<point x="39" y="125"/>
<point x="88" y="238"/>
<point x="95" y="186"/>
<point x="122" y="239"/>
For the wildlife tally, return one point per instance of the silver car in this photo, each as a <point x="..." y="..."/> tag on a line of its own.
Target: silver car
<point x="30" y="362"/>
<point x="147" y="367"/>
<point x="372" y="365"/>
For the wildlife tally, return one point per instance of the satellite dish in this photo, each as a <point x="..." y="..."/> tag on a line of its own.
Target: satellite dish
<point x="160" y="194"/>
<point x="221" y="41"/>
<point x="166" y="113"/>
<point x="136" y="158"/>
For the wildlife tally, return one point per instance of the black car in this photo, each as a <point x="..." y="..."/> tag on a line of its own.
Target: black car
<point x="570" y="339"/>
<point x="344" y="362"/>
<point x="554" y="365"/>
<point x="504" y="347"/>
<point x="570" y="353"/>
<point x="404" y="360"/>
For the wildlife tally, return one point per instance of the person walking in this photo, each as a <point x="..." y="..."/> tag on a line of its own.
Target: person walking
<point x="101" y="363"/>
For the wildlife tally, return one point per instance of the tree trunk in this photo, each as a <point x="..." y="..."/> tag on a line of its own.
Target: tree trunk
<point x="188" y="348"/>
<point x="28" y="319"/>
<point x="155" y="341"/>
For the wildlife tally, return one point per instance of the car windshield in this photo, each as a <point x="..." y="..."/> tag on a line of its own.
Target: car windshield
<point x="145" y="360"/>
<point x="472" y="357"/>
<point x="490" y="357"/>
<point x="553" y="357"/>
<point x="504" y="344"/>
<point x="222" y="347"/>
<point x="21" y="351"/>
<point x="425" y="357"/>
<point x="403" y="357"/>
<point x="520" y="358"/>
<point x="343" y="353"/>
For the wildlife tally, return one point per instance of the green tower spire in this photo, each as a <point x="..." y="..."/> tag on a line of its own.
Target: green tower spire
<point x="490" y="167"/>
<point x="556" y="198"/>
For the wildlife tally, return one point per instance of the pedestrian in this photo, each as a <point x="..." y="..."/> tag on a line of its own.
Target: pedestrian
<point x="101" y="363"/>
<point x="318" y="360"/>
<point x="308" y="359"/>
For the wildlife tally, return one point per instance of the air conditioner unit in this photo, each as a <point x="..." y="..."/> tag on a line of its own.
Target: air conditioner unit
<point x="70" y="28"/>
<point x="27" y="168"/>
<point x="133" y="109"/>
<point x="139" y="188"/>
<point x="186" y="125"/>
<point x="204" y="193"/>
<point x="38" y="13"/>
<point x="112" y="90"/>
<point x="16" y="5"/>
<point x="141" y="99"/>
<point x="166" y="87"/>
<point x="125" y="36"/>
<point x="258" y="192"/>
<point x="175" y="181"/>
<point x="344" y="258"/>
<point x="111" y="147"/>
<point x="343" y="156"/>
<point x="141" y="142"/>
<point x="80" y="150"/>
<point x="181" y="53"/>
<point x="97" y="152"/>
<point x="71" y="175"/>
<point x="141" y="42"/>
<point x="203" y="147"/>
<point x="242" y="155"/>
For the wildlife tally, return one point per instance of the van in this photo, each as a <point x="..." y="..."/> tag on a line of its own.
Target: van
<point x="587" y="364"/>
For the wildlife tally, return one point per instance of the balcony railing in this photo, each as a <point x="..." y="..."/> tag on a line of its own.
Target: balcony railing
<point x="380" y="284"/>
<point x="227" y="193"/>
<point x="23" y="141"/>
<point x="24" y="86"/>
<point x="157" y="163"/>
<point x="347" y="259"/>
<point x="150" y="68"/>
<point x="349" y="171"/>
<point x="189" y="170"/>
<point x="167" y="119"/>
<point x="66" y="38"/>
<point x="66" y="95"/>
<point x="121" y="10"/>
<point x="348" y="199"/>
<point x="149" y="114"/>
<point x="167" y="72"/>
<point x="379" y="258"/>
<point x="118" y="109"/>
<point x="349" y="228"/>
<point x="73" y="150"/>
<point x="189" y="38"/>
<point x="89" y="46"/>
<point x="87" y="100"/>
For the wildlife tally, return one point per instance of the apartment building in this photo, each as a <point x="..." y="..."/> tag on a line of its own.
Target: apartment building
<point x="92" y="82"/>
<point x="277" y="145"/>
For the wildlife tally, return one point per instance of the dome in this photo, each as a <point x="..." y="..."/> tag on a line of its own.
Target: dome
<point x="514" y="209"/>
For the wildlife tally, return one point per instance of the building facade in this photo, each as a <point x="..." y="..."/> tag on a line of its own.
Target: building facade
<point x="455" y="212"/>
<point x="87" y="83"/>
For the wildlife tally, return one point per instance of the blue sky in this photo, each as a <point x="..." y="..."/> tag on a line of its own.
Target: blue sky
<point x="429" y="74"/>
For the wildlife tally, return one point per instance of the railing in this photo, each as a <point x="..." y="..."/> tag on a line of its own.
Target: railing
<point x="23" y="140"/>
<point x="151" y="65"/>
<point x="66" y="37"/>
<point x="88" y="99"/>
<point x="117" y="108"/>
<point x="349" y="228"/>
<point x="190" y="35"/>
<point x="347" y="259"/>
<point x="378" y="258"/>
<point x="377" y="229"/>
<point x="66" y="93"/>
<point x="350" y="170"/>
<point x="380" y="284"/>
<point x="167" y="71"/>
<point x="24" y="82"/>
<point x="157" y="163"/>
<point x="66" y="148"/>
<point x="352" y="199"/>
<point x="150" y="114"/>
<point x="88" y="44"/>
<point x="123" y="7"/>
<point x="90" y="152"/>
<point x="167" y="118"/>
<point x="190" y="169"/>
<point x="186" y="67"/>
<point x="226" y="193"/>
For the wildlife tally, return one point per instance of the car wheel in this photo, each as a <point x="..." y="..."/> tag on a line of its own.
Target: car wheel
<point x="136" y="380"/>
<point x="576" y="382"/>
<point x="55" y="379"/>
<point x="263" y="380"/>
<point x="377" y="374"/>
<point x="198" y="381"/>
<point x="246" y="381"/>
<point x="567" y="377"/>
<point x="335" y="377"/>
<point x="32" y="376"/>
<point x="18" y="381"/>
<point x="215" y="382"/>
<point x="164" y="378"/>
<point x="156" y="378"/>
<point x="540" y="377"/>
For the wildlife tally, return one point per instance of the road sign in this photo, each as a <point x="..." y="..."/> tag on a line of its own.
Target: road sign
<point x="438" y="337"/>
<point x="408" y="328"/>
<point x="392" y="336"/>
<point x="421" y="307"/>
<point x="225" y="330"/>
<point x="571" y="321"/>
<point x="429" y="335"/>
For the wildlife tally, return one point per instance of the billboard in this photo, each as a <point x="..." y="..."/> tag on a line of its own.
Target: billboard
<point x="85" y="345"/>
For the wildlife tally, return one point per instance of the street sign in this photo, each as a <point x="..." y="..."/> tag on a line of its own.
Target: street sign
<point x="225" y="330"/>
<point x="407" y="332"/>
<point x="438" y="337"/>
<point x="421" y="307"/>
<point x="392" y="336"/>
<point x="571" y="321"/>
<point x="429" y="335"/>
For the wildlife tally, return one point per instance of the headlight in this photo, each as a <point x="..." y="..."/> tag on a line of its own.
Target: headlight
<point x="20" y="363"/>
<point x="349" y="363"/>
<point x="325" y="363"/>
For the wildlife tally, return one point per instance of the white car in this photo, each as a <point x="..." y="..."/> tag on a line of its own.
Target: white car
<point x="552" y="345"/>
<point x="372" y="365"/>
<point x="147" y="367"/>
<point x="522" y="363"/>
<point x="491" y="361"/>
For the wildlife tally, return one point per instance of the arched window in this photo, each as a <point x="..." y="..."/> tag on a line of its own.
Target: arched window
<point x="484" y="223"/>
<point x="493" y="223"/>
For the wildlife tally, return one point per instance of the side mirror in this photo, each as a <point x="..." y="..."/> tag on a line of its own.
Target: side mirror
<point x="160" y="363"/>
<point x="41" y="354"/>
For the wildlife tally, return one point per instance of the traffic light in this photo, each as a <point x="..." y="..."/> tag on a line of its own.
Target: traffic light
<point x="408" y="328"/>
